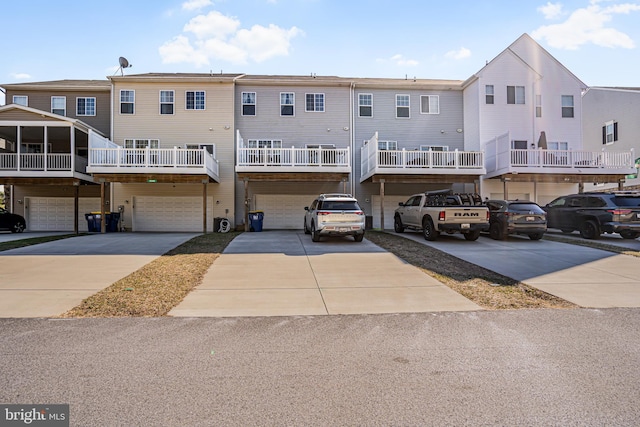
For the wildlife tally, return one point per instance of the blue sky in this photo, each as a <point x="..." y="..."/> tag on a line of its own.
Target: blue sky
<point x="598" y="40"/>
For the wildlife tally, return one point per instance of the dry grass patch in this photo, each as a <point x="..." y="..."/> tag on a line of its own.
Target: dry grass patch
<point x="160" y="285"/>
<point x="470" y="280"/>
<point x="30" y="241"/>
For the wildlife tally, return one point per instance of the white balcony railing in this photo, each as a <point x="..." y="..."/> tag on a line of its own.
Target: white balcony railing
<point x="294" y="157"/>
<point x="502" y="159"/>
<point x="39" y="162"/>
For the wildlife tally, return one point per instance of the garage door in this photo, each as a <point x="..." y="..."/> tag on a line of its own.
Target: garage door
<point x="283" y="211"/>
<point x="170" y="214"/>
<point x="390" y="206"/>
<point x="56" y="213"/>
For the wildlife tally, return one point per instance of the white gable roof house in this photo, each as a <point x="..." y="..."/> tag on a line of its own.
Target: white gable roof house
<point x="524" y="110"/>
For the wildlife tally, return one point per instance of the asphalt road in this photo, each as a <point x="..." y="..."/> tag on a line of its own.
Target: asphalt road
<point x="527" y="367"/>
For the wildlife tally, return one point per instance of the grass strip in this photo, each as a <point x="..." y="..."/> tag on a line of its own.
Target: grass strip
<point x="15" y="244"/>
<point x="592" y="244"/>
<point x="486" y="288"/>
<point x="160" y="285"/>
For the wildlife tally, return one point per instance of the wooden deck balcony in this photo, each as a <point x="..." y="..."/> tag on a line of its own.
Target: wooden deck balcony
<point x="49" y="165"/>
<point x="325" y="160"/>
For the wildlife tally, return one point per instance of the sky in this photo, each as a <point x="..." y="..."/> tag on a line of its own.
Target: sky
<point x="42" y="40"/>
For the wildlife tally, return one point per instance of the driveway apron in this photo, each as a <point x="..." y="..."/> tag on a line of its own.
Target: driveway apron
<point x="48" y="279"/>
<point x="284" y="273"/>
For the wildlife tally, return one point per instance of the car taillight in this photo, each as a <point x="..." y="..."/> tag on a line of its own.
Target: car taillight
<point x="442" y="216"/>
<point x="488" y="215"/>
<point x="323" y="213"/>
<point x="620" y="211"/>
<point x="359" y="213"/>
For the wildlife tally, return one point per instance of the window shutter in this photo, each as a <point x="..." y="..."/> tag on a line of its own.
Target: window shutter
<point x="604" y="134"/>
<point x="615" y="131"/>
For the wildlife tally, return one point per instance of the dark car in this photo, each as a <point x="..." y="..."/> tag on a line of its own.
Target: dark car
<point x="595" y="213"/>
<point x="12" y="222"/>
<point x="516" y="217"/>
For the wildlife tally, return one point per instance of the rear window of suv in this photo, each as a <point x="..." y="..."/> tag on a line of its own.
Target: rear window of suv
<point x="339" y="205"/>
<point x="525" y="207"/>
<point x="627" y="201"/>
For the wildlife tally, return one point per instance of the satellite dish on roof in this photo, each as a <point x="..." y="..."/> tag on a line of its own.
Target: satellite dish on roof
<point x="124" y="63"/>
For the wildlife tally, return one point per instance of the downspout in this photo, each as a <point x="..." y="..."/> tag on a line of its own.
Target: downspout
<point x="352" y="138"/>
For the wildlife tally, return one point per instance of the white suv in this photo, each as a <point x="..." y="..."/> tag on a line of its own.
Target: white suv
<point x="334" y="215"/>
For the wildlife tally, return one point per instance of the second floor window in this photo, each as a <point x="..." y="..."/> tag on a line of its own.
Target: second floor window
<point x="567" y="105"/>
<point x="141" y="143"/>
<point x="85" y="106"/>
<point x="402" y="106"/>
<point x="166" y="101"/>
<point x="59" y="105"/>
<point x="21" y="100"/>
<point x="287" y="104"/>
<point x="538" y="105"/>
<point x="429" y="104"/>
<point x="195" y="100"/>
<point x="610" y="132"/>
<point x="127" y="101"/>
<point x="365" y="105"/>
<point x="315" y="102"/>
<point x="248" y="103"/>
<point x="515" y="94"/>
<point x="488" y="94"/>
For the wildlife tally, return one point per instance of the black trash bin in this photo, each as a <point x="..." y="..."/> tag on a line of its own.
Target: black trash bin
<point x="255" y="220"/>
<point x="94" y="222"/>
<point x="113" y="219"/>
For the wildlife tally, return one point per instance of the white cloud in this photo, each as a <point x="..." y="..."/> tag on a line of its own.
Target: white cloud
<point x="196" y="4"/>
<point x="590" y="24"/>
<point x="21" y="76"/>
<point x="551" y="10"/>
<point x="220" y="37"/>
<point x="400" y="60"/>
<point x="461" y="53"/>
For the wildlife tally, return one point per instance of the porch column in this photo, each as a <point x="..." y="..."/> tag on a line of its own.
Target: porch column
<point x="46" y="148"/>
<point x="19" y="147"/>
<point x="204" y="207"/>
<point x="580" y="187"/>
<point x="76" y="193"/>
<point x="103" y="219"/>
<point x="621" y="185"/>
<point x="505" y="186"/>
<point x="246" y="204"/>
<point x="382" y="204"/>
<point x="72" y="138"/>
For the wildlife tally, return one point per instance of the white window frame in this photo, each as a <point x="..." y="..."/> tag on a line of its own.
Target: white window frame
<point x="365" y="103"/>
<point x="292" y="104"/>
<point x="17" y="100"/>
<point x="434" y="148"/>
<point x="538" y="106"/>
<point x="141" y="143"/>
<point x="252" y="96"/>
<point x="609" y="132"/>
<point x="128" y="96"/>
<point x="431" y="98"/>
<point x="211" y="148"/>
<point x="63" y="99"/>
<point x="519" y="95"/>
<point x="165" y="101"/>
<point x="388" y="145"/>
<point x="568" y="107"/>
<point x="264" y="143"/>
<point x="555" y="145"/>
<point x="196" y="106"/>
<point x="86" y="100"/>
<point x="318" y="102"/>
<point x="489" y="94"/>
<point x="400" y="104"/>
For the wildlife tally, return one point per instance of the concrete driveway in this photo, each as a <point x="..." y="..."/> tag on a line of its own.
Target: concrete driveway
<point x="284" y="273"/>
<point x="585" y="276"/>
<point x="50" y="278"/>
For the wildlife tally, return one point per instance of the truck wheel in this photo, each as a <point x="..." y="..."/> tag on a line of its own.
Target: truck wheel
<point x="629" y="234"/>
<point x="535" y="236"/>
<point x="428" y="230"/>
<point x="358" y="237"/>
<point x="472" y="235"/>
<point x="397" y="225"/>
<point x="315" y="235"/>
<point x="589" y="229"/>
<point x="496" y="232"/>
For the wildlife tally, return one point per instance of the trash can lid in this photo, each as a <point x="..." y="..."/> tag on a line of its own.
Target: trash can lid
<point x="98" y="213"/>
<point x="254" y="212"/>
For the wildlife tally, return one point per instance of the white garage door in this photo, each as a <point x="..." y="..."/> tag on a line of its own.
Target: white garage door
<point x="283" y="211"/>
<point x="170" y="214"/>
<point x="390" y="206"/>
<point x="56" y="213"/>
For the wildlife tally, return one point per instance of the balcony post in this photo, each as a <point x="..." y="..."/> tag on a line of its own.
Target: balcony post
<point x="456" y="160"/>
<point x="175" y="156"/>
<point x="19" y="147"/>
<point x="45" y="135"/>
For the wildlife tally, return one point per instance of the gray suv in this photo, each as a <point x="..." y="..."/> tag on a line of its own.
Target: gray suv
<point x="334" y="215"/>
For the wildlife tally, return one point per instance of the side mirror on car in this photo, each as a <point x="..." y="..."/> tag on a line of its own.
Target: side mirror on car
<point x="306" y="208"/>
<point x="400" y="204"/>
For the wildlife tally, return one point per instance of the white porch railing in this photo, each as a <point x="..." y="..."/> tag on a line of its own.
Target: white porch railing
<point x="37" y="162"/>
<point x="294" y="157"/>
<point x="374" y="160"/>
<point x="501" y="158"/>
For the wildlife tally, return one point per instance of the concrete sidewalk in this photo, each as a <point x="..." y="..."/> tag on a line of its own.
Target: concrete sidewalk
<point x="48" y="279"/>
<point x="585" y="276"/>
<point x="284" y="273"/>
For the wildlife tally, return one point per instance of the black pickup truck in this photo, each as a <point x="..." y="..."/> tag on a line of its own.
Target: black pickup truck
<point x="595" y="213"/>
